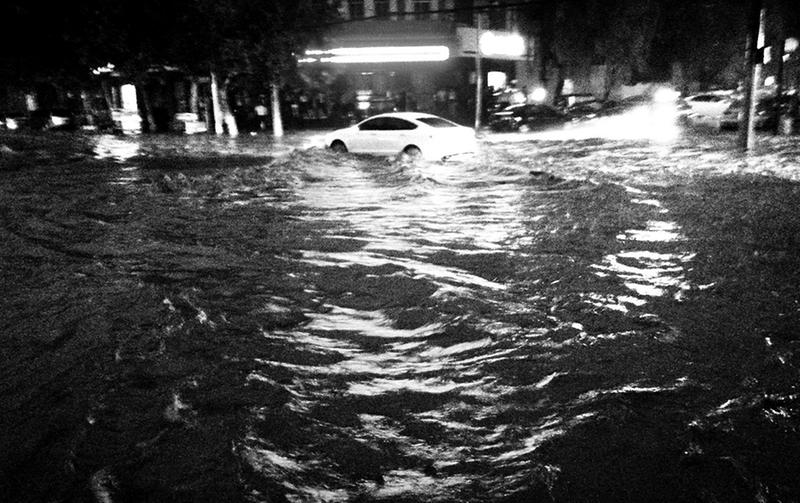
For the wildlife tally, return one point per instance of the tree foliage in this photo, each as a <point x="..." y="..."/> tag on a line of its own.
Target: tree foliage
<point x="706" y="37"/>
<point x="639" y="40"/>
<point x="66" y="39"/>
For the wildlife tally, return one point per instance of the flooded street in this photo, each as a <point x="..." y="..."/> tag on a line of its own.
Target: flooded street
<point x="552" y="319"/>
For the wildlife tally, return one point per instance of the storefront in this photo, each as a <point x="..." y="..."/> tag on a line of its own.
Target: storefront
<point x="375" y="66"/>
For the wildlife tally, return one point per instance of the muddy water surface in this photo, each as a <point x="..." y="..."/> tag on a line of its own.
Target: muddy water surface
<point x="549" y="320"/>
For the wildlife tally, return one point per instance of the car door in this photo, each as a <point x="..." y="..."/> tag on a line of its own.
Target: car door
<point x="397" y="134"/>
<point x="368" y="137"/>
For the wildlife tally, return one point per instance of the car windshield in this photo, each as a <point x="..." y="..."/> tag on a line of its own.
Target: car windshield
<point x="437" y="122"/>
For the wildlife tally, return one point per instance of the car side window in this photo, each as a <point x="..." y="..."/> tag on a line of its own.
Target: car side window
<point x="395" y="124"/>
<point x="376" y="124"/>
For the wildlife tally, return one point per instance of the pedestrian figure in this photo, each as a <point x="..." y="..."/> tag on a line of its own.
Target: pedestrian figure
<point x="261" y="113"/>
<point x="451" y="103"/>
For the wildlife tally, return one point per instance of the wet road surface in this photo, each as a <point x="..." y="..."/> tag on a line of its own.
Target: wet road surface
<point x="549" y="320"/>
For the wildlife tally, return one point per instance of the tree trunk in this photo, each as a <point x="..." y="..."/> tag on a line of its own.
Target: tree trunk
<point x="146" y="107"/>
<point x="747" y="135"/>
<point x="216" y="105"/>
<point x="230" y="120"/>
<point x="608" y="81"/>
<point x="107" y="95"/>
<point x="558" y="84"/>
<point x="86" y="108"/>
<point x="193" y="96"/>
<point x="277" y="120"/>
<point x="223" y="118"/>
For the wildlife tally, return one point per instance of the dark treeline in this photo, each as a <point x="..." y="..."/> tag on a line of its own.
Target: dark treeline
<point x="643" y="40"/>
<point x="635" y="40"/>
<point x="63" y="40"/>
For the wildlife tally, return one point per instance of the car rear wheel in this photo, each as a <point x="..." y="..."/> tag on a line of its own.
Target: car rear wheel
<point x="339" y="147"/>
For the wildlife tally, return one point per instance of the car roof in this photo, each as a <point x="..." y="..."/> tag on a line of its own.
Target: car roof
<point x="405" y="115"/>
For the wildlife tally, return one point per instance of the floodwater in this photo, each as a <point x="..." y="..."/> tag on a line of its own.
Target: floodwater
<point x="551" y="319"/>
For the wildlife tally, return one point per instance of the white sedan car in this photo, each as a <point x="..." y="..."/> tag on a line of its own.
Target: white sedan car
<point x="707" y="107"/>
<point x="411" y="134"/>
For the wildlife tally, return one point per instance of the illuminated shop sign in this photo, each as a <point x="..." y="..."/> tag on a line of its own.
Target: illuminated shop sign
<point x="494" y="44"/>
<point x="502" y="44"/>
<point x="400" y="54"/>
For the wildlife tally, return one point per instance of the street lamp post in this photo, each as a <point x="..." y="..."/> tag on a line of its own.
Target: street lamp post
<point x="478" y="75"/>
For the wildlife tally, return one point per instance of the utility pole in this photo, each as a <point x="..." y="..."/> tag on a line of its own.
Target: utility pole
<point x="478" y="74"/>
<point x="777" y="53"/>
<point x="755" y="58"/>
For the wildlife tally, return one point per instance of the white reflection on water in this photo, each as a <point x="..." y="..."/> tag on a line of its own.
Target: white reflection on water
<point x="401" y="482"/>
<point x="632" y="388"/>
<point x="373" y="323"/>
<point x="532" y="443"/>
<point x="647" y="273"/>
<point x="289" y="470"/>
<point x="656" y="231"/>
<point x="116" y="148"/>
<point x="119" y="150"/>
<point x="372" y="259"/>
<point x="380" y="386"/>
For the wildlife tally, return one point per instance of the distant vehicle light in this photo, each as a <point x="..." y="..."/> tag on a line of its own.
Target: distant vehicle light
<point x="539" y="94"/>
<point x="399" y="54"/>
<point x="363" y="105"/>
<point x="502" y="44"/>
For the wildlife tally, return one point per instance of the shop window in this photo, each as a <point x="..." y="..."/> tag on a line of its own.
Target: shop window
<point x="381" y="8"/>
<point x="356" y="8"/>
<point x="422" y="9"/>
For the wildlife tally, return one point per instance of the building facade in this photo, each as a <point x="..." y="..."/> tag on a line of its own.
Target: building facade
<point x="415" y="55"/>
